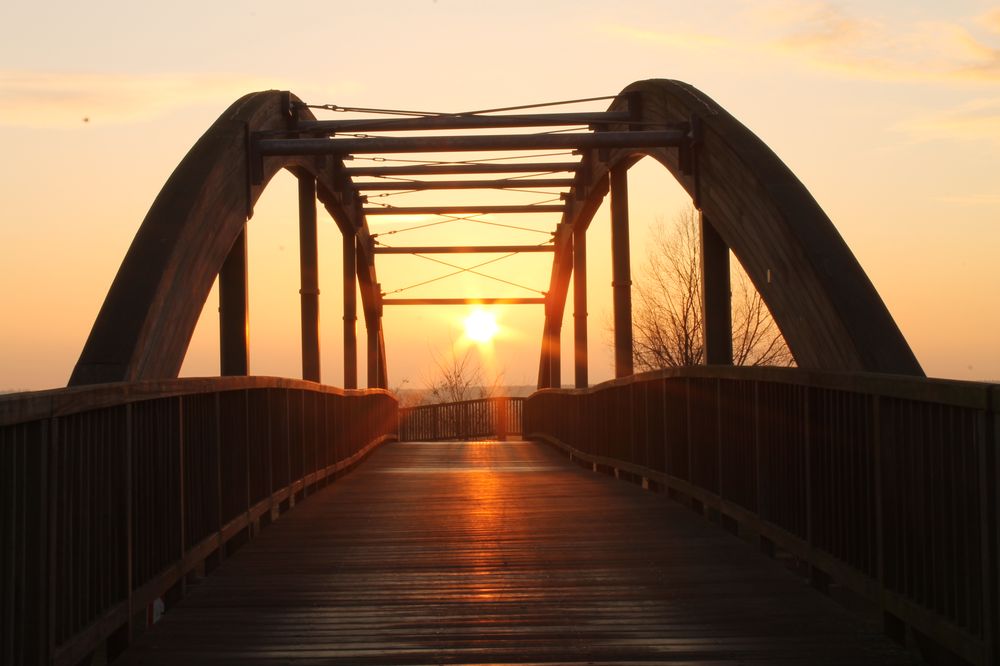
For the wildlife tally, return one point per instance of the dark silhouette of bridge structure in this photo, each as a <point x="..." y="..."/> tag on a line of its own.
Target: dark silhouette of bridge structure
<point x="478" y="532"/>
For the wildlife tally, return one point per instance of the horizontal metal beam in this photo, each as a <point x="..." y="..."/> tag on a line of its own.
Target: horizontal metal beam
<point x="503" y="184"/>
<point x="463" y="301"/>
<point x="446" y="122"/>
<point x="439" y="144"/>
<point x="457" y="169"/>
<point x="466" y="249"/>
<point x="462" y="210"/>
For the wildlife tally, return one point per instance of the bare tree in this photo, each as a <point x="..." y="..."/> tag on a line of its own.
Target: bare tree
<point x="756" y="338"/>
<point x="459" y="376"/>
<point x="667" y="321"/>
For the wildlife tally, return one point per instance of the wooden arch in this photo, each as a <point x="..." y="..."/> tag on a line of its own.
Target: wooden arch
<point x="149" y="315"/>
<point x="823" y="302"/>
<point x="821" y="299"/>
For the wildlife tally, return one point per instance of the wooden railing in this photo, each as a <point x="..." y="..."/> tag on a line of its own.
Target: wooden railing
<point x="884" y="484"/>
<point x="114" y="495"/>
<point x="469" y="419"/>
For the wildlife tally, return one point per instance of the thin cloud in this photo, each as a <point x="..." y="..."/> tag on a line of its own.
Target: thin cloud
<point x="972" y="200"/>
<point x="978" y="120"/>
<point x="985" y="63"/>
<point x="811" y="25"/>
<point x="990" y="21"/>
<point x="683" y="39"/>
<point x="823" y="36"/>
<point x="63" y="99"/>
<point x="830" y="38"/>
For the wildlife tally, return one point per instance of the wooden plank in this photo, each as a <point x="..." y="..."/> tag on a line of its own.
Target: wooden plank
<point x="495" y="552"/>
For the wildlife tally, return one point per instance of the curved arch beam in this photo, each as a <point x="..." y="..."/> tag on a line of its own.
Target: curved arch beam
<point x="821" y="299"/>
<point x="149" y="315"/>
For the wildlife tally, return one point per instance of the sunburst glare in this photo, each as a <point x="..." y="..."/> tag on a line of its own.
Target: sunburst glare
<point x="481" y="326"/>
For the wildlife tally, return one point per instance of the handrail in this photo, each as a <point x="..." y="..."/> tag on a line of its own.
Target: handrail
<point x="884" y="484"/>
<point x="32" y="405"/>
<point x="115" y="495"/>
<point x="466" y="419"/>
<point x="950" y="391"/>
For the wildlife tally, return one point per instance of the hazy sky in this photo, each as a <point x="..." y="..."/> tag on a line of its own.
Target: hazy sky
<point x="889" y="112"/>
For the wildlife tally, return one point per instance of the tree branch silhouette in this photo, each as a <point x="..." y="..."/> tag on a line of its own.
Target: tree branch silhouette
<point x="667" y="320"/>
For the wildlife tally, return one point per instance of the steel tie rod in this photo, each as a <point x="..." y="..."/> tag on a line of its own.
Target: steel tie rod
<point x="464" y="122"/>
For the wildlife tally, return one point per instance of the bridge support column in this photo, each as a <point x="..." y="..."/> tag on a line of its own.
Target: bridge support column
<point x="234" y="323"/>
<point x="550" y="361"/>
<point x="309" y="274"/>
<point x="543" y="358"/>
<point x="350" y="313"/>
<point x="376" y="354"/>
<point x="550" y="372"/>
<point x="372" y="355"/>
<point x="716" y="296"/>
<point x="383" y="374"/>
<point x="621" y="271"/>
<point x="580" y="306"/>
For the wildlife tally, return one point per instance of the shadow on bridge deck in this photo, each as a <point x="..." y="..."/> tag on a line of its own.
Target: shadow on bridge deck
<point x="497" y="552"/>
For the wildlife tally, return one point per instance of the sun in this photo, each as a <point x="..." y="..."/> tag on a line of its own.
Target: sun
<point x="481" y="326"/>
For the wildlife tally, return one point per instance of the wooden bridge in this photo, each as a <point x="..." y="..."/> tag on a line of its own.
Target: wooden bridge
<point x="699" y="515"/>
<point x="877" y="490"/>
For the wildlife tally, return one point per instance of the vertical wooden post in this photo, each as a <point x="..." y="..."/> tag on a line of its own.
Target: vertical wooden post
<point x="350" y="313"/>
<point x="54" y="497"/>
<point x="716" y="296"/>
<point x="130" y="545"/>
<point x="372" y="328"/>
<point x="553" y="331"/>
<point x="621" y="271"/>
<point x="580" y="306"/>
<point x="42" y="519"/>
<point x="550" y="362"/>
<point x="383" y="375"/>
<point x="544" y="376"/>
<point x="234" y="325"/>
<point x="502" y="405"/>
<point x="181" y="485"/>
<point x="219" y="498"/>
<point x="309" y="274"/>
<point x="987" y="425"/>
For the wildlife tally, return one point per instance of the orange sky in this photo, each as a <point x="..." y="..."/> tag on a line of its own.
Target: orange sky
<point x="887" y="111"/>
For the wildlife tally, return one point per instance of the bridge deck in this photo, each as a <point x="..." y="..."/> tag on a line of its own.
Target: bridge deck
<point x="486" y="552"/>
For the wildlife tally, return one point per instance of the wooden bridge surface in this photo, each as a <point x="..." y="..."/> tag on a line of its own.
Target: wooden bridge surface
<point x="501" y="552"/>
